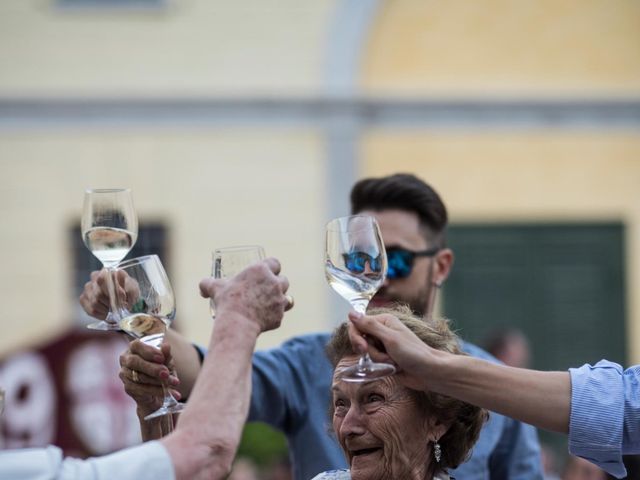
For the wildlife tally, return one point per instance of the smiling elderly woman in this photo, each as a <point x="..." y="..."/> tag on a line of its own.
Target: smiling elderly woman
<point x="389" y="431"/>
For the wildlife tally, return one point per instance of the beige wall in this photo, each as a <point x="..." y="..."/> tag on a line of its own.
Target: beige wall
<point x="498" y="47"/>
<point x="235" y="185"/>
<point x="192" y="47"/>
<point x="536" y="176"/>
<point x="212" y="189"/>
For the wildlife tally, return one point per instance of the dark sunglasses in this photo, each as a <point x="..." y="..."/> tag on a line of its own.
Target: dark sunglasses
<point x="356" y="261"/>
<point x="400" y="261"/>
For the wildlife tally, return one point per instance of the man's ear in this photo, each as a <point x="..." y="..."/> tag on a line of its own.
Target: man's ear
<point x="443" y="262"/>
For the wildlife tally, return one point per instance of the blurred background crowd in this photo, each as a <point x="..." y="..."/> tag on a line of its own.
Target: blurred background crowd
<point x="247" y="122"/>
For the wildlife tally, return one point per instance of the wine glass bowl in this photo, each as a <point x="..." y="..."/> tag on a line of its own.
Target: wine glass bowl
<point x="109" y="230"/>
<point x="355" y="267"/>
<point x="146" y="306"/>
<point x="150" y="329"/>
<point x="109" y="245"/>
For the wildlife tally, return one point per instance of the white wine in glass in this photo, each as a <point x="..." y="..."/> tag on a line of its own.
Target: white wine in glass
<point x="109" y="230"/>
<point x="355" y="267"/>
<point x="229" y="261"/>
<point x="109" y="245"/>
<point x="147" y="305"/>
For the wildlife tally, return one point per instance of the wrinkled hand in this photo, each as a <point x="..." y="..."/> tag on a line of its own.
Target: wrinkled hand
<point x="94" y="298"/>
<point x="152" y="367"/>
<point x="257" y="293"/>
<point x="388" y="340"/>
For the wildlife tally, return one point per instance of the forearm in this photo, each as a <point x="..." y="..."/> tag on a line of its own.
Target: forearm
<point x="542" y="399"/>
<point x="186" y="360"/>
<point x="212" y="424"/>
<point x="156" y="428"/>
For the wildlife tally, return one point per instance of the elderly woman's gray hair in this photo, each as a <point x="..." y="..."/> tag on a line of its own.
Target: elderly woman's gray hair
<point x="464" y="420"/>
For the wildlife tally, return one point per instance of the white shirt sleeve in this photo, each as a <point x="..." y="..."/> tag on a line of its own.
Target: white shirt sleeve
<point x="149" y="461"/>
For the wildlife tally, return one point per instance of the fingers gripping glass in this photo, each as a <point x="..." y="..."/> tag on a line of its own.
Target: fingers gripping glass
<point x="400" y="261"/>
<point x="147" y="306"/>
<point x="355" y="267"/>
<point x="228" y="262"/>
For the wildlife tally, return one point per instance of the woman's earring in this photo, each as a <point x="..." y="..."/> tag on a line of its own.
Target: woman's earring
<point x="437" y="451"/>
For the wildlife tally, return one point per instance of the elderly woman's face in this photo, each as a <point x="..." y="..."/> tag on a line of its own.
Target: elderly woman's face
<point x="382" y="430"/>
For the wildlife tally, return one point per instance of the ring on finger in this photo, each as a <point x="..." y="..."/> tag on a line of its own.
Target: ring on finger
<point x="290" y="302"/>
<point x="134" y="376"/>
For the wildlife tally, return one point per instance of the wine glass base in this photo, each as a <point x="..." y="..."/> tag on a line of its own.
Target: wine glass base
<point x="176" y="408"/>
<point x="367" y="372"/>
<point x="104" y="326"/>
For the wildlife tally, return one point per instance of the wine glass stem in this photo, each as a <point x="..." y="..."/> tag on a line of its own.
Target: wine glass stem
<point x="168" y="400"/>
<point x="111" y="287"/>
<point x="364" y="360"/>
<point x="360" y="305"/>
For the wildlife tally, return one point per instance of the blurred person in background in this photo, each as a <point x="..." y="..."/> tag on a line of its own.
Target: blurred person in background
<point x="279" y="470"/>
<point x="549" y="463"/>
<point x="202" y="445"/>
<point x="291" y="383"/>
<point x="244" y="469"/>
<point x="580" y="469"/>
<point x="510" y="346"/>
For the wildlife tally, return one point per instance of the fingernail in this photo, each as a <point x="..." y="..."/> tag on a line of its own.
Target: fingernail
<point x="176" y="394"/>
<point x="164" y="374"/>
<point x="174" y="380"/>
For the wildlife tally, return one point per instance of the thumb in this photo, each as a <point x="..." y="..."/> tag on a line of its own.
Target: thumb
<point x="208" y="286"/>
<point x="374" y="325"/>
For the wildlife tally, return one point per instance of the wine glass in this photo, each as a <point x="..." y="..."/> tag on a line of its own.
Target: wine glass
<point x="230" y="261"/>
<point x="147" y="306"/>
<point x="109" y="230"/>
<point x="355" y="267"/>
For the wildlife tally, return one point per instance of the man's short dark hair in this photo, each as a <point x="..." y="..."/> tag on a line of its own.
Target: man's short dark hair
<point x="402" y="191"/>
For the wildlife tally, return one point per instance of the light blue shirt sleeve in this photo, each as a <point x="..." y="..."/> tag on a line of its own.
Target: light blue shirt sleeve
<point x="149" y="461"/>
<point x="604" y="422"/>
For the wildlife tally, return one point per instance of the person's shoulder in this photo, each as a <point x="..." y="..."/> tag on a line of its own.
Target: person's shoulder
<point x="309" y="340"/>
<point x="475" y="351"/>
<point x="301" y="346"/>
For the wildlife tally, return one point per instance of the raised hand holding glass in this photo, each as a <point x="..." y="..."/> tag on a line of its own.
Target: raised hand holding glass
<point x="147" y="307"/>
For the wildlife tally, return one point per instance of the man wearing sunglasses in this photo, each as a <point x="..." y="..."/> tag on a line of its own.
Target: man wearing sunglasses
<point x="291" y="384"/>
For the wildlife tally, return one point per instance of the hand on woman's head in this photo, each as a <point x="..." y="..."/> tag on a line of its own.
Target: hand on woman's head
<point x="387" y="339"/>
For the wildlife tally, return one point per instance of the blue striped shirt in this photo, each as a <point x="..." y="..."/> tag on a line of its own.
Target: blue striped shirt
<point x="605" y="414"/>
